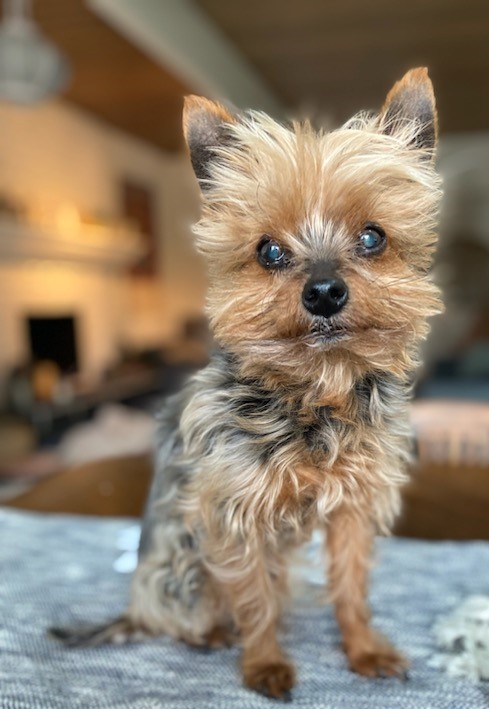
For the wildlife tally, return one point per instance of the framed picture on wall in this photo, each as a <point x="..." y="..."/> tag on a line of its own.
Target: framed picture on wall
<point x="138" y="205"/>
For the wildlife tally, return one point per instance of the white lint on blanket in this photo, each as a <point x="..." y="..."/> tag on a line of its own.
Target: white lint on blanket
<point x="464" y="638"/>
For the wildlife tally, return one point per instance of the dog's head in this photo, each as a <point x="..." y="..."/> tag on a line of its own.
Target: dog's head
<point x="319" y="244"/>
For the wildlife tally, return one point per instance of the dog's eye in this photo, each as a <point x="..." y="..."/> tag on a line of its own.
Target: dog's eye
<point x="372" y="240"/>
<point x="270" y="254"/>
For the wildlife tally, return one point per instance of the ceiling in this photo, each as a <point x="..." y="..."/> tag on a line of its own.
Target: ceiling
<point x="339" y="57"/>
<point x="111" y="77"/>
<point x="316" y="56"/>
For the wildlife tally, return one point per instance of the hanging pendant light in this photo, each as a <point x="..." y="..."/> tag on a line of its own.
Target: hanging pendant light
<point x="31" y="68"/>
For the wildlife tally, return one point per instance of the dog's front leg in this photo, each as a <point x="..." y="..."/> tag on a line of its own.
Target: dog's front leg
<point x="254" y="582"/>
<point x="349" y="540"/>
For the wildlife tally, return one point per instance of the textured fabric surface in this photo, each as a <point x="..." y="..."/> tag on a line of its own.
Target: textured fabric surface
<point x="59" y="570"/>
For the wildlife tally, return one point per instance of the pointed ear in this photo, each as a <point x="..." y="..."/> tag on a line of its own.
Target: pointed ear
<point x="412" y="101"/>
<point x="205" y="127"/>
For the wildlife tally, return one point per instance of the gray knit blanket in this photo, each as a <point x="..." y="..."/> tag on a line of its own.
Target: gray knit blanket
<point x="59" y="570"/>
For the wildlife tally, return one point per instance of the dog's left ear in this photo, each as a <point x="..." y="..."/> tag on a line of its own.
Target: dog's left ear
<point x="206" y="127"/>
<point x="412" y="101"/>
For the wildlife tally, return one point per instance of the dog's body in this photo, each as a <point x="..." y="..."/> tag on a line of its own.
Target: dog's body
<point x="319" y="247"/>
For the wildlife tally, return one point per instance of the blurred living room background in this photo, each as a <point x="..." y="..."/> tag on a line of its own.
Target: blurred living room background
<point x="101" y="291"/>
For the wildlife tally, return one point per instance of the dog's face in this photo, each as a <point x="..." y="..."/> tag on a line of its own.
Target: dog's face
<point x="319" y="242"/>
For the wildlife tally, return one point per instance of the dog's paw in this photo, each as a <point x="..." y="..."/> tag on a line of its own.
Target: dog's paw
<point x="383" y="661"/>
<point x="274" y="680"/>
<point x="219" y="637"/>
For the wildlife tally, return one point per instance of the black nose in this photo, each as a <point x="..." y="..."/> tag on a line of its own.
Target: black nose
<point x="325" y="297"/>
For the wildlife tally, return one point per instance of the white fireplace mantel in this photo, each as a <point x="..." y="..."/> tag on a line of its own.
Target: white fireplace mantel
<point x="103" y="247"/>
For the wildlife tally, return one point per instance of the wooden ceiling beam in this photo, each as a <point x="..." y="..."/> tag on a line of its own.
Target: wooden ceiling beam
<point x="177" y="34"/>
<point x="111" y="77"/>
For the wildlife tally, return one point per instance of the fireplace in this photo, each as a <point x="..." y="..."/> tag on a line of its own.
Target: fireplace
<point x="54" y="339"/>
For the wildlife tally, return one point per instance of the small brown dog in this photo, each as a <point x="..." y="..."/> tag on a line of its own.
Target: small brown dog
<point x="319" y="247"/>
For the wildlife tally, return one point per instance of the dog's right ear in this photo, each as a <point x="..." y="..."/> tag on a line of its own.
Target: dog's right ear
<point x="205" y="127"/>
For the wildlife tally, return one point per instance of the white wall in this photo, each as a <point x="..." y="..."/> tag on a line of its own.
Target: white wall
<point x="54" y="154"/>
<point x="464" y="165"/>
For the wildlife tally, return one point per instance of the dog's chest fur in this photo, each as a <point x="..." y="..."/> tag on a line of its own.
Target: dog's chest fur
<point x="277" y="422"/>
<point x="239" y="419"/>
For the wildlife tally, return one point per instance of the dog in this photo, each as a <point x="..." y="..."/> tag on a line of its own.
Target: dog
<point x="319" y="247"/>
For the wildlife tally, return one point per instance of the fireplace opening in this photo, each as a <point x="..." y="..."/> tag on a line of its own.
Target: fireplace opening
<point x="54" y="339"/>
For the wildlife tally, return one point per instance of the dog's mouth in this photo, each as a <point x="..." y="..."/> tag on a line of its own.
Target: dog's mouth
<point x="325" y="332"/>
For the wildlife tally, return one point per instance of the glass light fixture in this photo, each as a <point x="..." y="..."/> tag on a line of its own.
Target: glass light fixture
<point x="31" y="68"/>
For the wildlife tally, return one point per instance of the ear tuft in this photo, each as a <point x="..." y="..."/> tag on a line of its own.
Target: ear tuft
<point x="205" y="128"/>
<point x="412" y="101"/>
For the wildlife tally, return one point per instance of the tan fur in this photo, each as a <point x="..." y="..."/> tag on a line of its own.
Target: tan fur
<point x="299" y="421"/>
<point x="349" y="544"/>
<point x="313" y="192"/>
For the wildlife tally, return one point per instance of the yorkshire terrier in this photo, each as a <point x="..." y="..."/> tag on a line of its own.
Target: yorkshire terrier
<point x="319" y="247"/>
